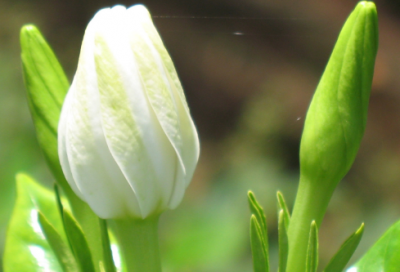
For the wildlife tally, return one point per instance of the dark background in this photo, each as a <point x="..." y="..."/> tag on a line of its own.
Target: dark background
<point x="249" y="69"/>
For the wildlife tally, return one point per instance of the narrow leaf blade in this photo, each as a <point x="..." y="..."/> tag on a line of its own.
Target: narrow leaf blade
<point x="258" y="211"/>
<point x="282" y="206"/>
<point x="342" y="257"/>
<point x="60" y="248"/>
<point x="283" y="241"/>
<point x="78" y="243"/>
<point x="108" y="257"/>
<point x="312" y="251"/>
<point x="384" y="255"/>
<point x="258" y="248"/>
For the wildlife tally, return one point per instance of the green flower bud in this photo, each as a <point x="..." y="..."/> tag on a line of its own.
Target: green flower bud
<point x="334" y="125"/>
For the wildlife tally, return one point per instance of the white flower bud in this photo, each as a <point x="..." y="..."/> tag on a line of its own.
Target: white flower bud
<point x="127" y="143"/>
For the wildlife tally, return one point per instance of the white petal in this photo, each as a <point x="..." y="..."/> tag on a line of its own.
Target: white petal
<point x="97" y="175"/>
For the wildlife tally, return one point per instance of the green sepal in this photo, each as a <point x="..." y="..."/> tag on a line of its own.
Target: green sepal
<point x="342" y="257"/>
<point x="258" y="247"/>
<point x="283" y="241"/>
<point x="384" y="255"/>
<point x="258" y="211"/>
<point x="60" y="248"/>
<point x="282" y="206"/>
<point x="107" y="253"/>
<point x="312" y="250"/>
<point x="78" y="242"/>
<point x="26" y="248"/>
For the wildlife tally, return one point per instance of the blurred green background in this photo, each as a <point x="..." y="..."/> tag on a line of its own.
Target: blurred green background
<point x="249" y="69"/>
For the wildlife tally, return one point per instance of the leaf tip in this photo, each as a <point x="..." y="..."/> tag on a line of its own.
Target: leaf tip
<point x="360" y="229"/>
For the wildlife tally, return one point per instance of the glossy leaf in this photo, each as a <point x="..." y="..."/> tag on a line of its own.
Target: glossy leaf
<point x="258" y="247"/>
<point x="283" y="241"/>
<point x="282" y="206"/>
<point x="312" y="251"/>
<point x="60" y="248"/>
<point x="384" y="255"/>
<point x="78" y="243"/>
<point x="26" y="248"/>
<point x="342" y="257"/>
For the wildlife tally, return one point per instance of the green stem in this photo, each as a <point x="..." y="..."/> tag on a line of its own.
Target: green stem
<point x="138" y="241"/>
<point x="311" y="203"/>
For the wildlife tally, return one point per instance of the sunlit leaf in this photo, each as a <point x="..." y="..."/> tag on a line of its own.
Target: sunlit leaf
<point x="46" y="85"/>
<point x="78" y="243"/>
<point x="60" y="248"/>
<point x="384" y="256"/>
<point x="26" y="247"/>
<point x="342" y="257"/>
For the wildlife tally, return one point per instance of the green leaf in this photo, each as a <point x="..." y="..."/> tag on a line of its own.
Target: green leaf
<point x="342" y="257"/>
<point x="108" y="257"/>
<point x="47" y="85"/>
<point x="312" y="251"/>
<point x="60" y="248"/>
<point x="283" y="241"/>
<point x="78" y="243"/>
<point x="258" y="247"/>
<point x="282" y="206"/>
<point x="258" y="211"/>
<point x="384" y="255"/>
<point x="26" y="248"/>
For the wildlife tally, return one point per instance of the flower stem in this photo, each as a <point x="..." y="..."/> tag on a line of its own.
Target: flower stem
<point x="311" y="203"/>
<point x="138" y="241"/>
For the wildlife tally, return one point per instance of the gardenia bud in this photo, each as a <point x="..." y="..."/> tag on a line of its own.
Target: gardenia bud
<point x="127" y="143"/>
<point x="334" y="126"/>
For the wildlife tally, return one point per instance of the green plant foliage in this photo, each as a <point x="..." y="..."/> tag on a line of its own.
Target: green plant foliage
<point x="26" y="247"/>
<point x="384" y="255"/>
<point x="282" y="206"/>
<point x="258" y="235"/>
<point x="46" y="85"/>
<point x="258" y="247"/>
<point x="342" y="257"/>
<point x="312" y="251"/>
<point x="108" y="258"/>
<point x="258" y="211"/>
<point x="60" y="248"/>
<point x="78" y="242"/>
<point x="283" y="240"/>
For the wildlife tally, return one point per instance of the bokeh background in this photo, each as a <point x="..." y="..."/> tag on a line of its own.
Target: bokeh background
<point x="249" y="69"/>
